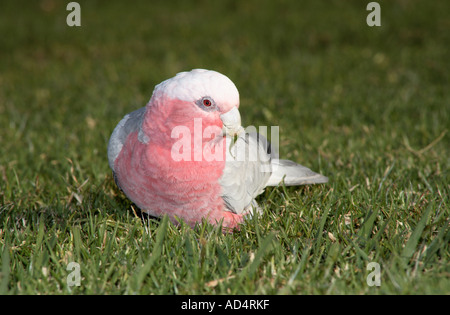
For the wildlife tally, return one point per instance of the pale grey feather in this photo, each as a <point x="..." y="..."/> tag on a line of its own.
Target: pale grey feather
<point x="247" y="170"/>
<point x="130" y="123"/>
<point x="251" y="166"/>
<point x="293" y="174"/>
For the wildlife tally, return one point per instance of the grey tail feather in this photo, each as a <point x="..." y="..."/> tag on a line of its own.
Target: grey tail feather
<point x="293" y="174"/>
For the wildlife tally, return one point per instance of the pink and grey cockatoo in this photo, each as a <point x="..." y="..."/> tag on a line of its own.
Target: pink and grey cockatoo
<point x="185" y="154"/>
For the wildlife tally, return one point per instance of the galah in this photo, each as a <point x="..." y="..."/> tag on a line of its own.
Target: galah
<point x="185" y="154"/>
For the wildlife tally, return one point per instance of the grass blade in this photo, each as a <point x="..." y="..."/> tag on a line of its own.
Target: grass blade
<point x="156" y="253"/>
<point x="367" y="227"/>
<point x="412" y="242"/>
<point x="319" y="233"/>
<point x="265" y="245"/>
<point x="5" y="271"/>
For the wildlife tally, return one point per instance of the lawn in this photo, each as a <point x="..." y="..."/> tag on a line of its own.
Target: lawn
<point x="366" y="106"/>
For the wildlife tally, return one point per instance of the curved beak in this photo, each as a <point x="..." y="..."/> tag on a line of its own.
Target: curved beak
<point x="231" y="122"/>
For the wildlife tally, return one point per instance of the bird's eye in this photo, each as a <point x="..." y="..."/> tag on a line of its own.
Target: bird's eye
<point x="207" y="104"/>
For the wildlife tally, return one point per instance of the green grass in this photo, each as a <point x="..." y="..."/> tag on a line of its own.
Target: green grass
<point x="368" y="107"/>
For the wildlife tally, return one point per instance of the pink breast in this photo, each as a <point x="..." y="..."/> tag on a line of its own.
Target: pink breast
<point x="159" y="185"/>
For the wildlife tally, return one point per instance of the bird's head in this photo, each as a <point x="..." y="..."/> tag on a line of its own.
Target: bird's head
<point x="202" y="94"/>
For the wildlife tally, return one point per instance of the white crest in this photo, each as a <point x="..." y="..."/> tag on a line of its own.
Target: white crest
<point x="193" y="85"/>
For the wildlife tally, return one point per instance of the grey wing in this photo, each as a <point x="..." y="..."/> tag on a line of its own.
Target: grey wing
<point x="130" y="123"/>
<point x="247" y="170"/>
<point x="293" y="174"/>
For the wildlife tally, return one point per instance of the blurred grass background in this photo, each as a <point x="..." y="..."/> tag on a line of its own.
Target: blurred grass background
<point x="367" y="106"/>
